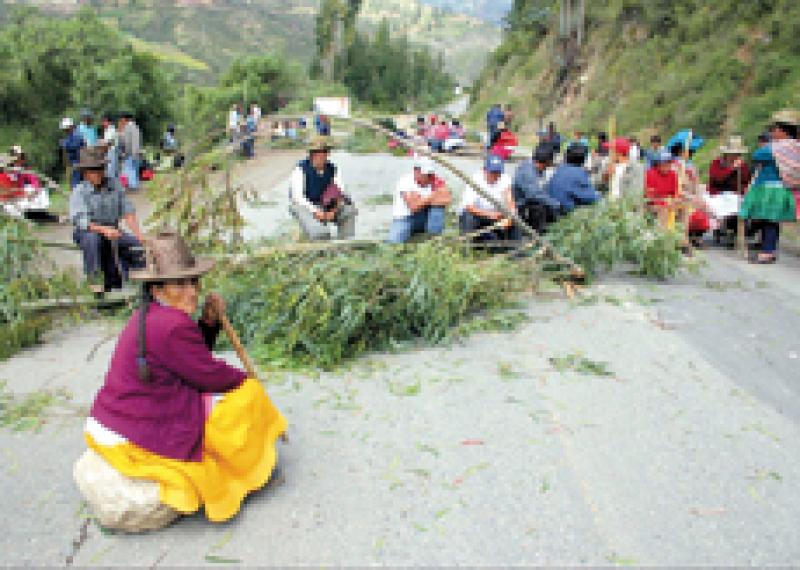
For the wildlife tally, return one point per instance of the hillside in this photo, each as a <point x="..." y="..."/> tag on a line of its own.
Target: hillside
<point x="200" y="38"/>
<point x="718" y="66"/>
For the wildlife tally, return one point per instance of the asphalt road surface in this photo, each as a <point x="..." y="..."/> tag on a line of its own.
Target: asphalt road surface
<point x="489" y="451"/>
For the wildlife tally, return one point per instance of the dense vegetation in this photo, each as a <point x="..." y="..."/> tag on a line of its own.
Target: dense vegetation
<point x="322" y="309"/>
<point x="384" y="71"/>
<point x="50" y="68"/>
<point x="25" y="275"/>
<point x="720" y="66"/>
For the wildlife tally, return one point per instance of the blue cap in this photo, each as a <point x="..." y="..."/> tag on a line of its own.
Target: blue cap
<point x="494" y="164"/>
<point x="662" y="155"/>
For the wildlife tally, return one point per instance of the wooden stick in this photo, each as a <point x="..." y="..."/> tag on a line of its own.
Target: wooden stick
<point x="237" y="346"/>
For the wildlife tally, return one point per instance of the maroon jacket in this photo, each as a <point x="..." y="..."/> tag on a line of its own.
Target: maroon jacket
<point x="164" y="416"/>
<point x="726" y="178"/>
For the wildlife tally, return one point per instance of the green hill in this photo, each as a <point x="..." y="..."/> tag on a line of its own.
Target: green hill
<point x="718" y="66"/>
<point x="215" y="32"/>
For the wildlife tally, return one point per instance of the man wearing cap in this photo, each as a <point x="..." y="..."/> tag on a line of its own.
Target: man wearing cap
<point x="420" y="201"/>
<point x="87" y="129"/>
<point x="71" y="144"/>
<point x="317" y="198"/>
<point x="478" y="213"/>
<point x="130" y="151"/>
<point x="96" y="207"/>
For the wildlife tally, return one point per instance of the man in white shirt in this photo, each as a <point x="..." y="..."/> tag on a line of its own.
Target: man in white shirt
<point x="317" y="198"/>
<point x="478" y="213"/>
<point x="420" y="202"/>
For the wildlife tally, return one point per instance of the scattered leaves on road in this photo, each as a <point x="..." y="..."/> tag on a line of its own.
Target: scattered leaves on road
<point x="29" y="412"/>
<point x="214" y="559"/>
<point x="580" y="364"/>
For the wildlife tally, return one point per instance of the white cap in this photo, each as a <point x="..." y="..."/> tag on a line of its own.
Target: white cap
<point x="67" y="123"/>
<point x="425" y="165"/>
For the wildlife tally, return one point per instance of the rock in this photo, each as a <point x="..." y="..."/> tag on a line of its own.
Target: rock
<point x="119" y="502"/>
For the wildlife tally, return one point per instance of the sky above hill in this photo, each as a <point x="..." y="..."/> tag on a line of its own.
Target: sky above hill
<point x="489" y="10"/>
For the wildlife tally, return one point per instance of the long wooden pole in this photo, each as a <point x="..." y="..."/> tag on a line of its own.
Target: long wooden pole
<point x="238" y="347"/>
<point x="534" y="236"/>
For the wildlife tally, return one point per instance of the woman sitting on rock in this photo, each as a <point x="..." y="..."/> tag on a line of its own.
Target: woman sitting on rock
<point x="169" y="412"/>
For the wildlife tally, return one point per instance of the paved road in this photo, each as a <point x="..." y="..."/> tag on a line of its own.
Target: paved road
<point x="484" y="452"/>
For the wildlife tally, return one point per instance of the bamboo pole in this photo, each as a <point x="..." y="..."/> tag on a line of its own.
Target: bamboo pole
<point x="238" y="347"/>
<point x="529" y="231"/>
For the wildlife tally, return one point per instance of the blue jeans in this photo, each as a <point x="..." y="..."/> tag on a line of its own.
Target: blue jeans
<point x="429" y="220"/>
<point x="771" y="233"/>
<point x="99" y="257"/>
<point x="131" y="171"/>
<point x="76" y="177"/>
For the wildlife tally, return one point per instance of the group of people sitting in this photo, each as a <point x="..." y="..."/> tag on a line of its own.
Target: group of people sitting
<point x="440" y="134"/>
<point x="552" y="183"/>
<point x="21" y="190"/>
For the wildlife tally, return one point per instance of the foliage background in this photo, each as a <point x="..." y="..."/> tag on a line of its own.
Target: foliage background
<point x="718" y="66"/>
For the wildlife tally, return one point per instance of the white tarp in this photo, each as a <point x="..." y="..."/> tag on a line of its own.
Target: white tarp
<point x="333" y="106"/>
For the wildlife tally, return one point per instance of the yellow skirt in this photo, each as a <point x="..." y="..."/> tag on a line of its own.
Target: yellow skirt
<point x="238" y="456"/>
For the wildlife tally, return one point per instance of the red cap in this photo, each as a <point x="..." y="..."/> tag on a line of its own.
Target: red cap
<point x="620" y="145"/>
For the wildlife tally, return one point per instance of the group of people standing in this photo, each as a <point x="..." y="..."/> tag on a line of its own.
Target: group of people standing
<point x="120" y="140"/>
<point x="241" y="128"/>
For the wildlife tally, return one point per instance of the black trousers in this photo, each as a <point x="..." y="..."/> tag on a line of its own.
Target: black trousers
<point x="99" y="255"/>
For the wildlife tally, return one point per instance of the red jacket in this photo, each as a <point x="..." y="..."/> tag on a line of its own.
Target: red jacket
<point x="164" y="416"/>
<point x="505" y="145"/>
<point x="659" y="186"/>
<point x="726" y="178"/>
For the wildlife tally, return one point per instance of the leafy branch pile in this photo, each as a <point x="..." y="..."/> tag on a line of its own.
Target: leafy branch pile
<point x="321" y="309"/>
<point x="612" y="232"/>
<point x="24" y="278"/>
<point x="200" y="205"/>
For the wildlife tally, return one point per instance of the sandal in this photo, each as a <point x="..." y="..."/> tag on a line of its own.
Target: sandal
<point x="764" y="259"/>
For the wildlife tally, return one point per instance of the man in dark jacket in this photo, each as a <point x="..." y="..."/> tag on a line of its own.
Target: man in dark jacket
<point x="570" y="184"/>
<point x="317" y="196"/>
<point x="534" y="204"/>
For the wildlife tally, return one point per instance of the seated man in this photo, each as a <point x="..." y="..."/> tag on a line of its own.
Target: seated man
<point x="478" y="213"/>
<point x="96" y="207"/>
<point x="420" y="201"/>
<point x="570" y="184"/>
<point x="317" y="198"/>
<point x="534" y="204"/>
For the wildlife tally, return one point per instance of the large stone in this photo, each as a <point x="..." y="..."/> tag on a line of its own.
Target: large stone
<point x="119" y="502"/>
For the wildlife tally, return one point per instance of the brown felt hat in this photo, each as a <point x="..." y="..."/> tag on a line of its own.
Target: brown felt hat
<point x="168" y="257"/>
<point x="92" y="158"/>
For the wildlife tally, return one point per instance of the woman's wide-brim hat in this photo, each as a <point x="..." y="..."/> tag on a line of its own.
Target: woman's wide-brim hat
<point x="92" y="158"/>
<point x="787" y="117"/>
<point x="168" y="258"/>
<point x="735" y="146"/>
<point x="320" y="143"/>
